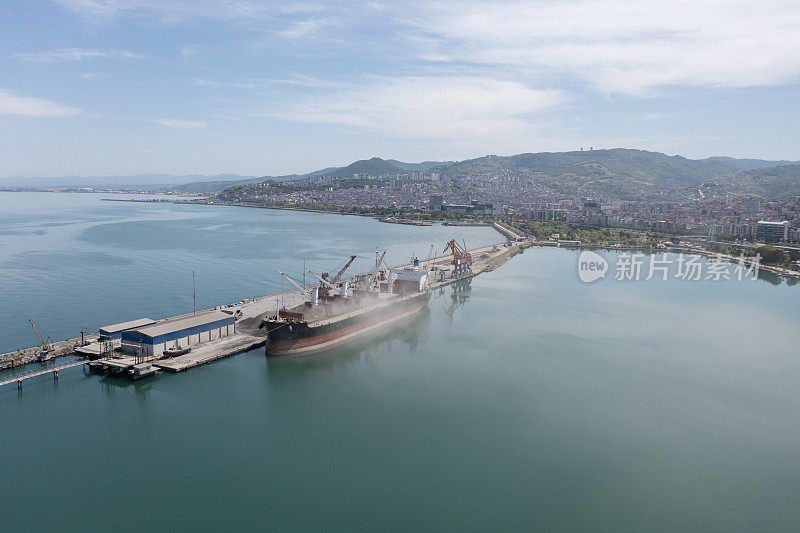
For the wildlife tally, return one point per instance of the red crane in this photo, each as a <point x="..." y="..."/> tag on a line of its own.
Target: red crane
<point x="462" y="259"/>
<point x="326" y="279"/>
<point x="345" y="267"/>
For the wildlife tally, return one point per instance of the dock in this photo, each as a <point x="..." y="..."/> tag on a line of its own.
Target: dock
<point x="247" y="335"/>
<point x="24" y="356"/>
<point x="19" y="378"/>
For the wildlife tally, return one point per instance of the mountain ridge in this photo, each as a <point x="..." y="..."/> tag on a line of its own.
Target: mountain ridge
<point x="618" y="172"/>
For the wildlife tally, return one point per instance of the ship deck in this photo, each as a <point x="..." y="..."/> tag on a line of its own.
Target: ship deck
<point x="342" y="308"/>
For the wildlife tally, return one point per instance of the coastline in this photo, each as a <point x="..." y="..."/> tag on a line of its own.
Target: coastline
<point x="424" y="222"/>
<point x="780" y="271"/>
<point x="389" y="219"/>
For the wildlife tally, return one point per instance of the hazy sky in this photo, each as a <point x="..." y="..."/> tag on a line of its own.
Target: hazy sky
<point x="98" y="87"/>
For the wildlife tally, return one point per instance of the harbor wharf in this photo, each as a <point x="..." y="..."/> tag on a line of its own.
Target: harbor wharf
<point x="246" y="335"/>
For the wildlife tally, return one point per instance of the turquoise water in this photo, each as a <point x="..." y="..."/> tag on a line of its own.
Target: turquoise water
<point x="523" y="400"/>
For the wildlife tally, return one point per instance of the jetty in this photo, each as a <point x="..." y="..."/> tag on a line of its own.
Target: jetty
<point x="230" y="329"/>
<point x="19" y="378"/>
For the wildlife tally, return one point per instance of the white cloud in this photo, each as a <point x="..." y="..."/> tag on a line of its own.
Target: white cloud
<point x="29" y="106"/>
<point x="655" y="116"/>
<point x="630" y="47"/>
<point x="428" y="108"/>
<point x="305" y="28"/>
<point x="261" y="83"/>
<point x="177" y="11"/>
<point x="74" y="54"/>
<point x="93" y="8"/>
<point x="621" y="46"/>
<point x="189" y="50"/>
<point x="200" y="82"/>
<point x="179" y="124"/>
<point x="91" y="76"/>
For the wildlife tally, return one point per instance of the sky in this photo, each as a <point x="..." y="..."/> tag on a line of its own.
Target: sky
<point x="120" y="87"/>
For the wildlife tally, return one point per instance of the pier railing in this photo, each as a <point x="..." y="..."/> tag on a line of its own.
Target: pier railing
<point x="19" y="378"/>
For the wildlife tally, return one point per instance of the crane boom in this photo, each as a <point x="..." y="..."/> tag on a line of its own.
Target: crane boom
<point x="460" y="254"/>
<point x="345" y="267"/>
<point x="45" y="345"/>
<point x="297" y="286"/>
<point x="41" y="340"/>
<point x="374" y="271"/>
<point x="327" y="283"/>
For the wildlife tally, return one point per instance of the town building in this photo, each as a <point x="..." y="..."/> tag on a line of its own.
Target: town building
<point x="753" y="205"/>
<point x="772" y="231"/>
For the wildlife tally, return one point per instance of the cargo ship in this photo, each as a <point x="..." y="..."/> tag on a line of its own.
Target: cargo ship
<point x="336" y="312"/>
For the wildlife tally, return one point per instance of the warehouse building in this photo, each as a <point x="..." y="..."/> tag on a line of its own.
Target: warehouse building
<point x="152" y="340"/>
<point x="114" y="331"/>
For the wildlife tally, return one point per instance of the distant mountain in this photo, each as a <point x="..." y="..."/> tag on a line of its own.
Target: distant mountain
<point x="419" y="166"/>
<point x="314" y="173"/>
<point x="652" y="167"/>
<point x="152" y="181"/>
<point x="750" y="164"/>
<point x="372" y="167"/>
<point x="771" y="183"/>
<point x="211" y="187"/>
<point x="618" y="173"/>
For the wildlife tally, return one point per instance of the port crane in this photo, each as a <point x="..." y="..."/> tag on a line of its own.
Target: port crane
<point x="462" y="259"/>
<point x="374" y="271"/>
<point x="304" y="292"/>
<point x="338" y="276"/>
<point x="430" y="253"/>
<point x="327" y="283"/>
<point x="327" y="286"/>
<point x="46" y="347"/>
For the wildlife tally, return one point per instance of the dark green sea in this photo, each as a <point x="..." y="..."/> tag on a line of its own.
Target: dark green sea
<point x="522" y="400"/>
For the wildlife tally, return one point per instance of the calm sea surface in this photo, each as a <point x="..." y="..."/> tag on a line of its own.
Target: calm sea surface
<point x="524" y="399"/>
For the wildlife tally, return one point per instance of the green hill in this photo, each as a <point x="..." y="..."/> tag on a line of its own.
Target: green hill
<point x="750" y="164"/>
<point x="651" y="167"/>
<point x="419" y="166"/>
<point x="373" y="167"/>
<point x="211" y="187"/>
<point x="617" y="173"/>
<point x="771" y="183"/>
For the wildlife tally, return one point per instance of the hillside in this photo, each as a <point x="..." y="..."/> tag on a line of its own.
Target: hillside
<point x="651" y="167"/>
<point x="210" y="187"/>
<point x="772" y="183"/>
<point x="373" y="167"/>
<point x="617" y="173"/>
<point x="751" y="164"/>
<point x="419" y="166"/>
